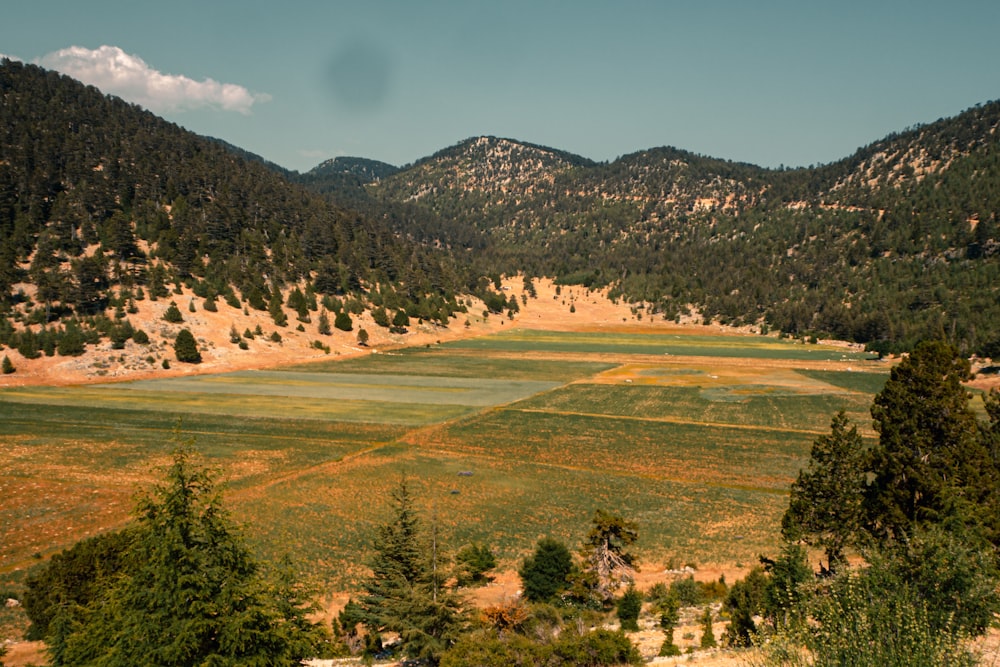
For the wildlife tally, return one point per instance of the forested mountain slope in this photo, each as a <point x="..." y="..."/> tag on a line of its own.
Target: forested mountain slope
<point x="102" y="202"/>
<point x="895" y="243"/>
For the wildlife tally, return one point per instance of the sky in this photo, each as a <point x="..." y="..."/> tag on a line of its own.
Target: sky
<point x="767" y="82"/>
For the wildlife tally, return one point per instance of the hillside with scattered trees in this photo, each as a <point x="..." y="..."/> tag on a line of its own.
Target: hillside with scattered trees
<point x="896" y="243"/>
<point x="103" y="204"/>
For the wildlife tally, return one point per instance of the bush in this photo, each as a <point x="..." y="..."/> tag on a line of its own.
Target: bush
<point x="597" y="648"/>
<point x="628" y="606"/>
<point x="687" y="592"/>
<point x="474" y="561"/>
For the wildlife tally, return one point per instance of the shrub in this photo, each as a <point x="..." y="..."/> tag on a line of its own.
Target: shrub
<point x="687" y="592"/>
<point x="707" y="634"/>
<point x="474" y="561"/>
<point x="628" y="606"/>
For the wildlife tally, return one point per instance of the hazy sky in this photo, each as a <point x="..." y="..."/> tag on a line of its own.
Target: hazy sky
<point x="792" y="83"/>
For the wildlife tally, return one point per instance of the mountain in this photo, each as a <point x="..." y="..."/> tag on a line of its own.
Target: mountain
<point x="365" y="169"/>
<point x="103" y="203"/>
<point x="894" y="243"/>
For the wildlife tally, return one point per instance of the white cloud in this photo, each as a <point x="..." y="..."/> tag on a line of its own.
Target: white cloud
<point x="118" y="73"/>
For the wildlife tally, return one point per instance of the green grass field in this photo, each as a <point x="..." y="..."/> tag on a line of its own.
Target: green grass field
<point x="695" y="437"/>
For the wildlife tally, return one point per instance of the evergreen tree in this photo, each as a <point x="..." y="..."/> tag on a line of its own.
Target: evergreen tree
<point x="71" y="343"/>
<point x="406" y="593"/>
<point x="400" y="319"/>
<point x="191" y="593"/>
<point x="745" y="601"/>
<point x="628" y="607"/>
<point x="173" y="314"/>
<point x="8" y="366"/>
<point x="607" y="563"/>
<point x="75" y="577"/>
<point x="930" y="464"/>
<point x="668" y="607"/>
<point x="474" y="561"/>
<point x="323" y="324"/>
<point x="824" y="509"/>
<point x="275" y="309"/>
<point x="343" y="321"/>
<point x="707" y="634"/>
<point x="544" y="574"/>
<point x="186" y="348"/>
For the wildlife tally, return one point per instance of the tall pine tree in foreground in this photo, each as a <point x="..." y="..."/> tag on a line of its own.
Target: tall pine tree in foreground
<point x="931" y="464"/>
<point x="406" y="593"/>
<point x="191" y="593"/>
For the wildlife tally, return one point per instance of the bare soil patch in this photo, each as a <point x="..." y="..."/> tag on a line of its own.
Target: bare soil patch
<point x="592" y="310"/>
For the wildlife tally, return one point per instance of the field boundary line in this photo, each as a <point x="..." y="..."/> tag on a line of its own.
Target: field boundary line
<point x="670" y="420"/>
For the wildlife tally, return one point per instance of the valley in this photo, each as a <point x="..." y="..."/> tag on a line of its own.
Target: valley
<point x="692" y="432"/>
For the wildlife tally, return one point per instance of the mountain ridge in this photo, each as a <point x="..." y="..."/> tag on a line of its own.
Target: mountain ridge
<point x="101" y="202"/>
<point x="892" y="225"/>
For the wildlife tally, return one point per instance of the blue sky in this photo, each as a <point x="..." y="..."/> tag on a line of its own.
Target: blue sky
<point x="297" y="82"/>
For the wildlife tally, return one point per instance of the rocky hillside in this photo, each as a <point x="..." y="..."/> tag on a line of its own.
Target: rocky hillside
<point x="104" y="205"/>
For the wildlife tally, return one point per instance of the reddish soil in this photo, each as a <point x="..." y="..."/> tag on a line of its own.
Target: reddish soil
<point x="551" y="311"/>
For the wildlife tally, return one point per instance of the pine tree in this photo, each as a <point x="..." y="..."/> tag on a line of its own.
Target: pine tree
<point x="275" y="309"/>
<point x="192" y="593"/>
<point x="8" y="366"/>
<point x="71" y="342"/>
<point x="628" y="607"/>
<point x="824" y="509"/>
<point x="607" y="563"/>
<point x="544" y="574"/>
<point x="323" y="324"/>
<point x="930" y="464"/>
<point x="343" y="321"/>
<point x="186" y="348"/>
<point x="406" y="593"/>
<point x="173" y="314"/>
